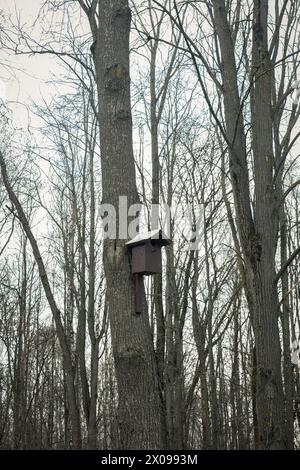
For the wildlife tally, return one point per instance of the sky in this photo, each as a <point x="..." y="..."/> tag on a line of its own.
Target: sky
<point x="24" y="79"/>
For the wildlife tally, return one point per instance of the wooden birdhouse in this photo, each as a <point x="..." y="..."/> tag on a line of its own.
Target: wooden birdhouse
<point x="146" y="252"/>
<point x="146" y="259"/>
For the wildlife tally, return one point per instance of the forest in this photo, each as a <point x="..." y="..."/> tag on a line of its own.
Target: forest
<point x="119" y="120"/>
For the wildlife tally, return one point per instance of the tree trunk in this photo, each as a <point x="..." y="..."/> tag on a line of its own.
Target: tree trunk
<point x="258" y="234"/>
<point x="270" y="397"/>
<point x="140" y="405"/>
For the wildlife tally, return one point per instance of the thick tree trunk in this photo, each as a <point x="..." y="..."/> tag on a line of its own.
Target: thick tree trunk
<point x="140" y="405"/>
<point x="270" y="397"/>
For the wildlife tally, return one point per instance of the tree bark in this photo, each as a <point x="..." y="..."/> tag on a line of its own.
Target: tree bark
<point x="140" y="406"/>
<point x="257" y="234"/>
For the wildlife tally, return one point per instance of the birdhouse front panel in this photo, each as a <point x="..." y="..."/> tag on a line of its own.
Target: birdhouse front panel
<point x="146" y="259"/>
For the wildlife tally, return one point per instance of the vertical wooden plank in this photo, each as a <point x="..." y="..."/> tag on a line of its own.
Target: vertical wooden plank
<point x="138" y="292"/>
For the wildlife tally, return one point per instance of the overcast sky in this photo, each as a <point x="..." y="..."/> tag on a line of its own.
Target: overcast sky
<point x="26" y="78"/>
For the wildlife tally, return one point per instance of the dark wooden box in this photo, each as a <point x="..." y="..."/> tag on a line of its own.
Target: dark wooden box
<point x="146" y="259"/>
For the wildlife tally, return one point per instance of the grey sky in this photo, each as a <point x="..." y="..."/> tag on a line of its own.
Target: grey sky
<point x="27" y="77"/>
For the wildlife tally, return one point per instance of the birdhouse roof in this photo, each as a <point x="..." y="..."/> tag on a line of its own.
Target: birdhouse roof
<point x="157" y="236"/>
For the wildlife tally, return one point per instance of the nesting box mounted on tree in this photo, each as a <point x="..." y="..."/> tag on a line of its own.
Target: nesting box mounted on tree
<point x="145" y="251"/>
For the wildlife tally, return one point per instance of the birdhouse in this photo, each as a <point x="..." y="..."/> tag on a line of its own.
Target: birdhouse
<point x="146" y="252"/>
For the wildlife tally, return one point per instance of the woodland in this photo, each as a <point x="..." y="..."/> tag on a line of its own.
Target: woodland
<point x="187" y="102"/>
